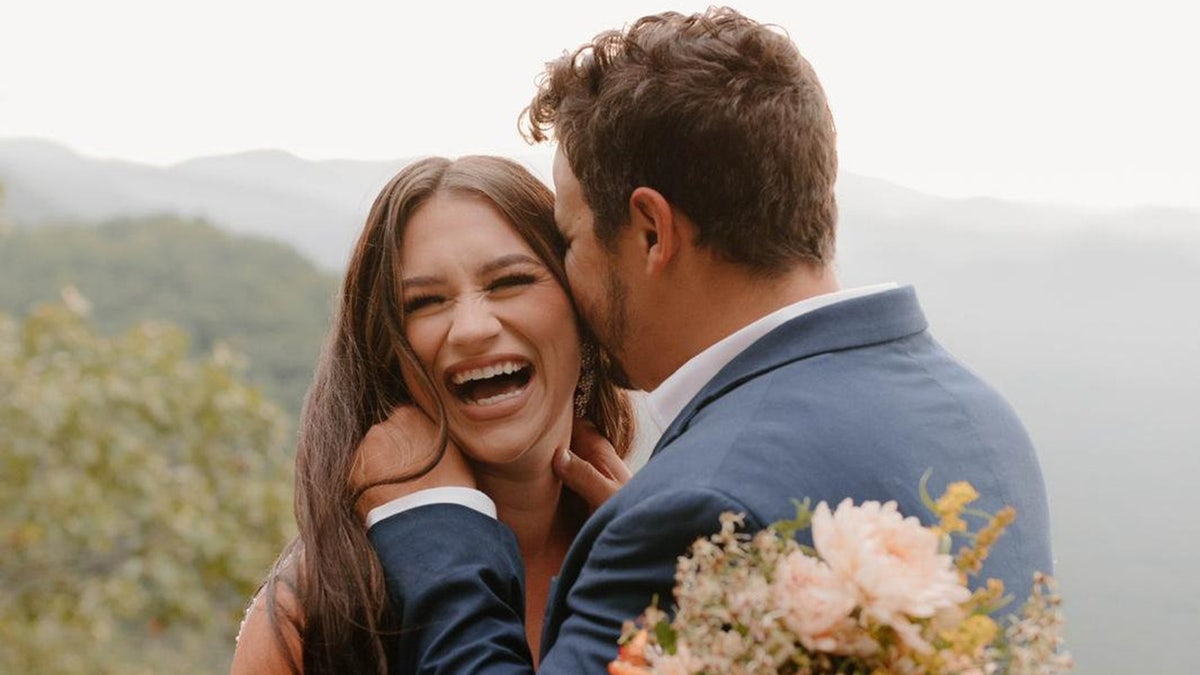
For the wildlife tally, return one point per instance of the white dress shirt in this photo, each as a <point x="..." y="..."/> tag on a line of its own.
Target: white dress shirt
<point x="662" y="405"/>
<point x="668" y="400"/>
<point x="463" y="496"/>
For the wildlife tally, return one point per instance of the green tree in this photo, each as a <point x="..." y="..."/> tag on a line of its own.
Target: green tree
<point x="261" y="297"/>
<point x="144" y="495"/>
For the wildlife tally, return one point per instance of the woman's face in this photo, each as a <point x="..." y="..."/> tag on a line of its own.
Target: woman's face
<point x="493" y="328"/>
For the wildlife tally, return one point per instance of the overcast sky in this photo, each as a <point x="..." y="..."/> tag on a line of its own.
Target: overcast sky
<point x="1089" y="103"/>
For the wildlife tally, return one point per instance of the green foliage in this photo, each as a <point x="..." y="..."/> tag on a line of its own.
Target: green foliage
<point x="261" y="297"/>
<point x="787" y="529"/>
<point x="144" y="495"/>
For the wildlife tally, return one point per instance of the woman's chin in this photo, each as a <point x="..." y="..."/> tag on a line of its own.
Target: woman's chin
<point x="515" y="464"/>
<point x="510" y="451"/>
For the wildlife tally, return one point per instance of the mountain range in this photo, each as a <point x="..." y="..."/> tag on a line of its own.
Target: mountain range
<point x="319" y="207"/>
<point x="1085" y="319"/>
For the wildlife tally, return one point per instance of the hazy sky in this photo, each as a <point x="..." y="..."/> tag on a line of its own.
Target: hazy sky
<point x="1079" y="102"/>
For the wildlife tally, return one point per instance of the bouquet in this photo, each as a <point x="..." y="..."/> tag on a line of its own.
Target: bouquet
<point x="877" y="593"/>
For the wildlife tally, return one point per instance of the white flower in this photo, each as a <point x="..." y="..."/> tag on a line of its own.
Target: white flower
<point x="813" y="600"/>
<point x="892" y="562"/>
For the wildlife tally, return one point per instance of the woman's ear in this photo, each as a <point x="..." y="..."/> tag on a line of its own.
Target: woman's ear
<point x="658" y="229"/>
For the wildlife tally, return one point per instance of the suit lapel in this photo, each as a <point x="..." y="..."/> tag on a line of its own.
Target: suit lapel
<point x="873" y="319"/>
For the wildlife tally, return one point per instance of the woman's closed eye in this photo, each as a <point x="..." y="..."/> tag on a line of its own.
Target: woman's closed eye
<point x="512" y="281"/>
<point x="419" y="302"/>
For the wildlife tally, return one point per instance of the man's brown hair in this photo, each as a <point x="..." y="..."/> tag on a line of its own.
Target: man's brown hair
<point x="718" y="113"/>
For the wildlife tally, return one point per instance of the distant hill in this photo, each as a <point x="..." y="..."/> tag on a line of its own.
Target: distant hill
<point x="318" y="207"/>
<point x="260" y="297"/>
<point x="314" y="206"/>
<point x="1084" y="319"/>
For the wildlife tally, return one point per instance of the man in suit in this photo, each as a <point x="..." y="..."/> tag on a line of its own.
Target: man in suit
<point x="694" y="184"/>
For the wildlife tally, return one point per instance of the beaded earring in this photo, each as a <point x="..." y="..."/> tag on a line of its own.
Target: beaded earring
<point x="587" y="378"/>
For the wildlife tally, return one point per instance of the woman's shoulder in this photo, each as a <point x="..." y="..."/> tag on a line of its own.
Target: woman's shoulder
<point x="269" y="639"/>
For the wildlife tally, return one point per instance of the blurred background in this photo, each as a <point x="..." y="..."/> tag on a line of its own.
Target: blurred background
<point x="180" y="184"/>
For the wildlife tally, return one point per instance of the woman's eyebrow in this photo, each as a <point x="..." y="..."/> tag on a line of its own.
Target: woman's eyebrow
<point x="418" y="282"/>
<point x="507" y="261"/>
<point x="490" y="267"/>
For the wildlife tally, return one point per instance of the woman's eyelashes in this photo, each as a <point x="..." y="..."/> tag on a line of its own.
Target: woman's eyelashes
<point x="512" y="281"/>
<point x="419" y="302"/>
<point x="506" y="282"/>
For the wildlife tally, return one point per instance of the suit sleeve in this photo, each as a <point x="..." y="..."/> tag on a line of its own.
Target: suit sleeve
<point x="632" y="561"/>
<point x="462" y="602"/>
<point x="455" y="578"/>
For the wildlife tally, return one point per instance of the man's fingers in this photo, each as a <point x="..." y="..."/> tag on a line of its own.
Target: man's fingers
<point x="588" y="444"/>
<point x="584" y="479"/>
<point x="591" y="468"/>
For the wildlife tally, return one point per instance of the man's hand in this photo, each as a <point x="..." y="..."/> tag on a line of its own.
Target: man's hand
<point x="400" y="446"/>
<point x="591" y="467"/>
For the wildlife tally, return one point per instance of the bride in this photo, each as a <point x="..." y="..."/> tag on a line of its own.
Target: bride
<point x="454" y="306"/>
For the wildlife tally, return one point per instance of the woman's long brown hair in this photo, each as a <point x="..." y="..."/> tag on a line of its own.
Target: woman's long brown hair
<point x="330" y="568"/>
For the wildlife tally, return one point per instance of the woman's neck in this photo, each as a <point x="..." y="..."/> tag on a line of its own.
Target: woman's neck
<point x="530" y="500"/>
<point x="529" y="503"/>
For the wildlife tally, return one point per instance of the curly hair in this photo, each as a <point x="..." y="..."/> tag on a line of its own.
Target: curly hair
<point x="717" y="112"/>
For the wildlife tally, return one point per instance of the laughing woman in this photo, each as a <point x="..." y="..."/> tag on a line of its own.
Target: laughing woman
<point x="454" y="305"/>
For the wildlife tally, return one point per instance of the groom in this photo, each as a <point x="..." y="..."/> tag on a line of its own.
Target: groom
<point x="694" y="183"/>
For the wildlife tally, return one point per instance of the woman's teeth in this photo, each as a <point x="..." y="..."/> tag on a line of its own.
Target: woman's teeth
<point x="492" y="400"/>
<point x="491" y="384"/>
<point x="486" y="372"/>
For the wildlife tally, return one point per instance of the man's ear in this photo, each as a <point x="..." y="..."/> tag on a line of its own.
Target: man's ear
<point x="658" y="229"/>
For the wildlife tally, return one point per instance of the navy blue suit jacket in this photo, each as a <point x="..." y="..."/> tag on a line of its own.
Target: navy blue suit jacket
<point x="853" y="400"/>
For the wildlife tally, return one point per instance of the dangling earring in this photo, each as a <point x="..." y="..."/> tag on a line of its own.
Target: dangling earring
<point x="587" y="378"/>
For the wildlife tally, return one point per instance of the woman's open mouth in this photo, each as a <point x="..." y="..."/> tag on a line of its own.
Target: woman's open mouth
<point x="490" y="384"/>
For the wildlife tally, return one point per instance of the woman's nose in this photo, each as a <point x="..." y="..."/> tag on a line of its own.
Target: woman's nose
<point x="473" y="323"/>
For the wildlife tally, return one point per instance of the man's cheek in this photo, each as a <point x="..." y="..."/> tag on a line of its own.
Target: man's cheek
<point x="576" y="279"/>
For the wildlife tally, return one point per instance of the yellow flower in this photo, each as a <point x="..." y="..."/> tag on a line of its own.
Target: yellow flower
<point x="970" y="560"/>
<point x="988" y="597"/>
<point x="949" y="506"/>
<point x="974" y="633"/>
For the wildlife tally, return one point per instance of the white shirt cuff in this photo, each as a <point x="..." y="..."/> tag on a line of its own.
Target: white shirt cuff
<point x="468" y="497"/>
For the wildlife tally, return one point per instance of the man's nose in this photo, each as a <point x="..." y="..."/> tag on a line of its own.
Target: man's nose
<point x="474" y="323"/>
